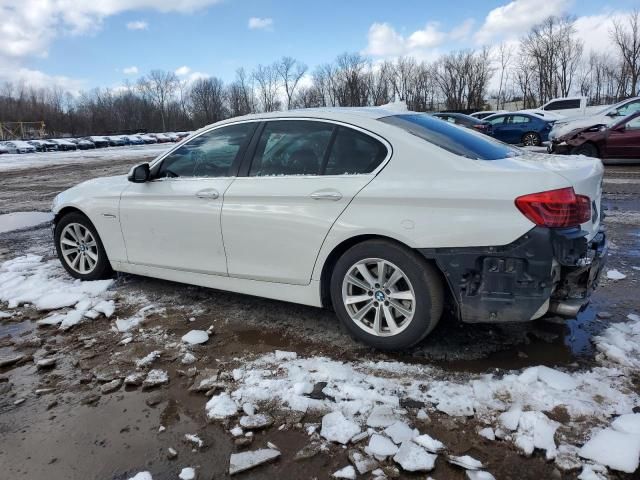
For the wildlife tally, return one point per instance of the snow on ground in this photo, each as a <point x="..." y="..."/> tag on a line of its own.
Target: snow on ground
<point x="20" y="220"/>
<point x="368" y="393"/>
<point x="30" y="280"/>
<point x="29" y="160"/>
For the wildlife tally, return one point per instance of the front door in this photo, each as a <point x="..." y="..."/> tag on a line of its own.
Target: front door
<point x="624" y="143"/>
<point x="303" y="175"/>
<point x="173" y="221"/>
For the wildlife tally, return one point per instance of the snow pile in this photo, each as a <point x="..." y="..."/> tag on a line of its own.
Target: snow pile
<point x="620" y="343"/>
<point x="221" y="406"/>
<point x="45" y="285"/>
<point x="336" y="428"/>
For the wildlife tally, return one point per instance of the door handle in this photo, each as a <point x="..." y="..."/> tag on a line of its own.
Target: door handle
<point x="208" y="193"/>
<point x="326" y="195"/>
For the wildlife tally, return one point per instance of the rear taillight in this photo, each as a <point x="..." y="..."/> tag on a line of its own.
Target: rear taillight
<point x="555" y="208"/>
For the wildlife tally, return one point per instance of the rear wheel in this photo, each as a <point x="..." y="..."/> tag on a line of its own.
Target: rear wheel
<point x="588" y="149"/>
<point x="386" y="295"/>
<point x="531" y="139"/>
<point x="80" y="249"/>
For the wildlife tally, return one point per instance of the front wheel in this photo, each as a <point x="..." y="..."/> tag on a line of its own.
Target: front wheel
<point x="386" y="295"/>
<point x="80" y="249"/>
<point x="587" y="149"/>
<point x="531" y="139"/>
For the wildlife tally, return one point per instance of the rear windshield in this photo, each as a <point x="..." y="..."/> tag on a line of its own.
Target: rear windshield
<point x="458" y="140"/>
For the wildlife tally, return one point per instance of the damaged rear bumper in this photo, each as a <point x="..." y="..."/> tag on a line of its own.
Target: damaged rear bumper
<point x="545" y="270"/>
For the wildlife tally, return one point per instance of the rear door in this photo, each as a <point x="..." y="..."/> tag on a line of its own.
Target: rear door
<point x="302" y="174"/>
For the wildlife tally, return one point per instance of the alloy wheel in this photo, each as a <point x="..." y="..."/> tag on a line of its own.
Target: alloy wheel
<point x="79" y="248"/>
<point x="378" y="297"/>
<point x="530" y="140"/>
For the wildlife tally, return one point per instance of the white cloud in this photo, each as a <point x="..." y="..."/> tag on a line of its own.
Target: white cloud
<point x="257" y="23"/>
<point x="594" y="31"/>
<point x="29" y="26"/>
<point x="517" y="17"/>
<point x="182" y="71"/>
<point x="385" y="41"/>
<point x="132" y="70"/>
<point x="138" y="25"/>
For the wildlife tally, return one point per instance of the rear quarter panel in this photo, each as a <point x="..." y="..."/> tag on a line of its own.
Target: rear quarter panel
<point x="427" y="197"/>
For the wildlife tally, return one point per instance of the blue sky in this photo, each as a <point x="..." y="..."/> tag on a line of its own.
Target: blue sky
<point x="92" y="45"/>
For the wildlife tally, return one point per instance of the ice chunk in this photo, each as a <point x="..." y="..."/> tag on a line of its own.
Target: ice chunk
<point x="282" y="355"/>
<point x="256" y="422"/>
<point x="381" y="416"/>
<point x="465" y="461"/>
<point x="221" y="406"/>
<point x="194" y="439"/>
<point x="240" y="462"/>
<point x="629" y="423"/>
<point x="195" y="337"/>
<point x="510" y="419"/>
<point x="381" y="446"/>
<point x="155" y="378"/>
<point x="614" y="449"/>
<point x="615" y="275"/>
<point x="456" y="406"/>
<point x="187" y="473"/>
<point x="556" y="379"/>
<point x="590" y="472"/>
<point x="336" y="428"/>
<point x="487" y="433"/>
<point x="536" y="430"/>
<point x="429" y="443"/>
<point x="142" y="476"/>
<point x="148" y="359"/>
<point x="347" y="472"/>
<point x="363" y="463"/>
<point x="413" y="458"/>
<point x="479" y="475"/>
<point x="57" y="300"/>
<point x="400" y="432"/>
<point x="106" y="307"/>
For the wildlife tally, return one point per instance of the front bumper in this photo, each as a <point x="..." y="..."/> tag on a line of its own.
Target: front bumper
<point x="518" y="282"/>
<point x="560" y="148"/>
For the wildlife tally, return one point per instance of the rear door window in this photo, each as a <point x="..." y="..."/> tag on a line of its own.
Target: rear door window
<point x="518" y="119"/>
<point x="563" y="104"/>
<point x="460" y="141"/>
<point x="291" y="147"/>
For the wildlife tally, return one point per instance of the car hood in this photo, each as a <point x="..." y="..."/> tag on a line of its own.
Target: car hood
<point x="594" y="128"/>
<point x="564" y="127"/>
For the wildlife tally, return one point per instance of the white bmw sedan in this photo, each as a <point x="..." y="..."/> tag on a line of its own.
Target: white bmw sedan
<point x="384" y="217"/>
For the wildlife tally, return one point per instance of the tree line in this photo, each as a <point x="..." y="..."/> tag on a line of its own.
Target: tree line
<point x="549" y="61"/>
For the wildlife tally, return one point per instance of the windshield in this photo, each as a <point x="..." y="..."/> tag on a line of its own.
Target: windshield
<point x="458" y="140"/>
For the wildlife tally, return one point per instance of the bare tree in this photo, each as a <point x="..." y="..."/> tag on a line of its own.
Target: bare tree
<point x="159" y="86"/>
<point x="208" y="100"/>
<point x="627" y="40"/>
<point x="266" y="78"/>
<point x="290" y="72"/>
<point x="505" y="53"/>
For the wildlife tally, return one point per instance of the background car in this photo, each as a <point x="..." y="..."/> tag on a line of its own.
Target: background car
<point x="466" y="121"/>
<point x="148" y="139"/>
<point x="618" y="143"/>
<point x="3" y="149"/>
<point x="83" y="144"/>
<point x="115" y="141"/>
<point x="134" y="139"/>
<point x="98" y="141"/>
<point x="19" y="146"/>
<point x="172" y="136"/>
<point x="520" y="128"/>
<point x="40" y="146"/>
<point x="65" y="145"/>
<point x="160" y="137"/>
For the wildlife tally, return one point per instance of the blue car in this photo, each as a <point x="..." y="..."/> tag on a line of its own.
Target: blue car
<point x="520" y="128"/>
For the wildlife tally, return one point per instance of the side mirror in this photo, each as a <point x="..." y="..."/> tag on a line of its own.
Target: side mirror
<point x="612" y="114"/>
<point x="139" y="173"/>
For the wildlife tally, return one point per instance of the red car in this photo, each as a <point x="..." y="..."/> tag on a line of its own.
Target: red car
<point x="618" y="143"/>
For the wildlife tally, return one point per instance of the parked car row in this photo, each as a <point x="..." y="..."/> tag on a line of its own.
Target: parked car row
<point x="86" y="143"/>
<point x="526" y="128"/>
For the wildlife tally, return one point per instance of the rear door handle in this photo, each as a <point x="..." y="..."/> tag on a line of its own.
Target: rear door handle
<point x="326" y="195"/>
<point x="208" y="193"/>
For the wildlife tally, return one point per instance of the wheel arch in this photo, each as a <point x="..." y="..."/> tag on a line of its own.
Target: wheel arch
<point x="339" y="249"/>
<point x="67" y="210"/>
<point x="591" y="143"/>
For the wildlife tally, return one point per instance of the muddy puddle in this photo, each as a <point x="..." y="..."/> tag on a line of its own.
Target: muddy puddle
<point x="22" y="220"/>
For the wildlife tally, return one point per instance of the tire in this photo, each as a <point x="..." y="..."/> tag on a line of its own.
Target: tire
<point x="588" y="149"/>
<point x="419" y="279"/>
<point x="93" y="263"/>
<point x="531" y="139"/>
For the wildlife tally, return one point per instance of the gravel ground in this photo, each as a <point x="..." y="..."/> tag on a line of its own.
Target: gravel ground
<point x="64" y="432"/>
